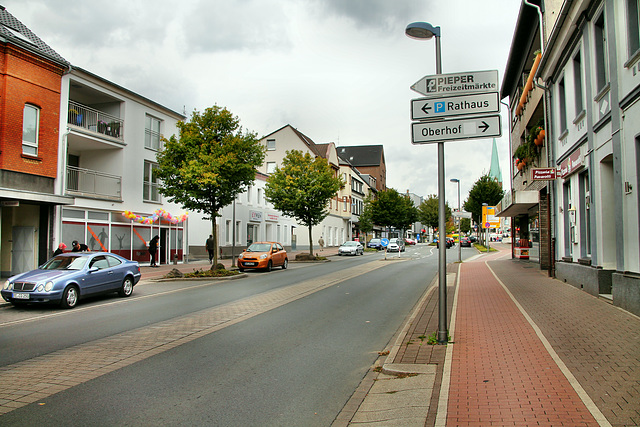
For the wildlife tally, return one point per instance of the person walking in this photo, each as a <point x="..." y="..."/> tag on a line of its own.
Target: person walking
<point x="321" y="243"/>
<point x="153" y="248"/>
<point x="210" y="247"/>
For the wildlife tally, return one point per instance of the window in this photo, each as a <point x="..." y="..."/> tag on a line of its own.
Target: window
<point x="562" y="106"/>
<point x="227" y="232"/>
<point x="152" y="133"/>
<point x="271" y="144"/>
<point x="271" y="167"/>
<point x="259" y="200"/>
<point x="249" y="194"/>
<point x="600" y="44"/>
<point x="30" y="129"/>
<point x="577" y="82"/>
<point x="150" y="183"/>
<point x="345" y="203"/>
<point x="633" y="26"/>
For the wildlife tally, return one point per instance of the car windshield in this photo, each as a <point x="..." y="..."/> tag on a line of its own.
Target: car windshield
<point x="374" y="241"/>
<point x="65" y="263"/>
<point x="349" y="244"/>
<point x="393" y="241"/>
<point x="259" y="247"/>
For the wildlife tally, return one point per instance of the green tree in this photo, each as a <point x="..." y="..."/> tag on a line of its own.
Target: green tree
<point x="365" y="220"/>
<point x="485" y="190"/>
<point x="211" y="162"/>
<point x="391" y="209"/>
<point x="302" y="187"/>
<point x="428" y="211"/>
<point x="465" y="225"/>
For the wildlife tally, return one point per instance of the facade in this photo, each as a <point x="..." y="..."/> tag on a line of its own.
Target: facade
<point x="415" y="232"/>
<point x="30" y="76"/>
<point x="357" y="190"/>
<point x="369" y="160"/>
<point x="590" y="71"/>
<point x="107" y="158"/>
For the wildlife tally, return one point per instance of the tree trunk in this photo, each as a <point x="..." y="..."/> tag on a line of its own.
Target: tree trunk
<point x="310" y="242"/>
<point x="214" y="233"/>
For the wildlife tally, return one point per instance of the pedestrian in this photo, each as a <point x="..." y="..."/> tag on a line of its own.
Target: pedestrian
<point x="79" y="247"/>
<point x="61" y="248"/>
<point x="153" y="248"/>
<point x="210" y="247"/>
<point x="321" y="242"/>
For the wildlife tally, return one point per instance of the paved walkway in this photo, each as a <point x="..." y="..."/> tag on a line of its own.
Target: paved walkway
<point x="526" y="350"/>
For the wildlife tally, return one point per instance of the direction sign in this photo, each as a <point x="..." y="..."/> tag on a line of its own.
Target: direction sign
<point x="462" y="214"/>
<point x="454" y="129"/>
<point x="384" y="242"/>
<point x="428" y="108"/>
<point x="457" y="83"/>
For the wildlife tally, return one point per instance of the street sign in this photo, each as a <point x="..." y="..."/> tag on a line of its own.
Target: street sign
<point x="462" y="215"/>
<point x="455" y="129"/>
<point x="489" y="218"/>
<point x="435" y="108"/>
<point x="457" y="83"/>
<point x="384" y="242"/>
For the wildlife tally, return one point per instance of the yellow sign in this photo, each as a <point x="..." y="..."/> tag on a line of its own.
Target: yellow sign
<point x="489" y="218"/>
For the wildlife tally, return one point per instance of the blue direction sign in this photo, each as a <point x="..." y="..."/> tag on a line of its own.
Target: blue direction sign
<point x="384" y="242"/>
<point x="435" y="108"/>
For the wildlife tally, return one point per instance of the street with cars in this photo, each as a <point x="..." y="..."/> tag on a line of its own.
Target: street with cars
<point x="286" y="347"/>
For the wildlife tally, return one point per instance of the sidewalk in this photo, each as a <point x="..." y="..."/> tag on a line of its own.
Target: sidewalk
<point x="526" y="350"/>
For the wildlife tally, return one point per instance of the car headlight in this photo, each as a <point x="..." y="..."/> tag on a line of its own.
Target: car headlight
<point x="48" y="286"/>
<point x="8" y="286"/>
<point x="40" y="287"/>
<point x="241" y="255"/>
<point x="263" y="256"/>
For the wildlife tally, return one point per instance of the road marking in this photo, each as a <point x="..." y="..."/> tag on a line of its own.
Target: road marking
<point x="32" y="380"/>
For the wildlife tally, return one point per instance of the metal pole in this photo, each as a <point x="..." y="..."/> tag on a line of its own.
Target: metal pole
<point x="233" y="236"/>
<point x="443" y="333"/>
<point x="459" y="221"/>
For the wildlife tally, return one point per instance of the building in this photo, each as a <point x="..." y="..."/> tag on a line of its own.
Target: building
<point x="108" y="145"/>
<point x="589" y="76"/>
<point x="30" y="76"/>
<point x="369" y="160"/>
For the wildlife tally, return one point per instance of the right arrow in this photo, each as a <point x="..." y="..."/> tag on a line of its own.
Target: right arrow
<point x="484" y="126"/>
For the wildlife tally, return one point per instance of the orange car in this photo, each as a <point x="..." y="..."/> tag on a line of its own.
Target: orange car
<point x="263" y="255"/>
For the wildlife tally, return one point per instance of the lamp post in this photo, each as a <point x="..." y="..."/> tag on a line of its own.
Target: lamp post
<point x="459" y="219"/>
<point x="484" y="208"/>
<point x="425" y="31"/>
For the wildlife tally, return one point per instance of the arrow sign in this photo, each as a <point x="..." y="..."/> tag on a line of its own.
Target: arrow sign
<point x="457" y="83"/>
<point x="457" y="129"/>
<point x="434" y="108"/>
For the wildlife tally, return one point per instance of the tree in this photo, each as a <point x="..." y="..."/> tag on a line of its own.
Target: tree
<point x="428" y="211"/>
<point x="211" y="162"/>
<point x="391" y="209"/>
<point x="302" y="187"/>
<point x="366" y="222"/>
<point x="485" y="190"/>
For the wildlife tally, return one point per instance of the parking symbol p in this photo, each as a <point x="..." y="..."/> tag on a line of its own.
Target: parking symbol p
<point x="439" y="107"/>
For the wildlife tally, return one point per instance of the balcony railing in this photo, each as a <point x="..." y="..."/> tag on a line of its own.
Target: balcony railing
<point x="94" y="184"/>
<point x="95" y="120"/>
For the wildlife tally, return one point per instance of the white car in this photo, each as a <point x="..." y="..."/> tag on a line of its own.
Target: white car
<point x="351" y="248"/>
<point x="395" y="245"/>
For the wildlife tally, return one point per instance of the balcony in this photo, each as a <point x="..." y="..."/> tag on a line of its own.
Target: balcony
<point x="95" y="121"/>
<point x="93" y="184"/>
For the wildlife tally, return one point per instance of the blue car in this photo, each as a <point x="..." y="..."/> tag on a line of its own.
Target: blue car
<point x="66" y="278"/>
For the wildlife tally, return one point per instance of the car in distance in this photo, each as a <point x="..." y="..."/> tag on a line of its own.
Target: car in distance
<point x="263" y="256"/>
<point x="351" y="248"/>
<point x="395" y="245"/>
<point x="409" y="241"/>
<point x="68" y="277"/>
<point x="375" y="244"/>
<point x="465" y="242"/>
<point x="447" y="243"/>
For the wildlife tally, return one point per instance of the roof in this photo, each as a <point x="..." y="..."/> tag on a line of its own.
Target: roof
<point x="16" y="33"/>
<point x="362" y="155"/>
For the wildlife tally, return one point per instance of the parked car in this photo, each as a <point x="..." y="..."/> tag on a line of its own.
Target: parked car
<point x="396" y="245"/>
<point x="66" y="278"/>
<point x="447" y="243"/>
<point x="473" y="238"/>
<point x="263" y="256"/>
<point x="451" y="241"/>
<point x="375" y="244"/>
<point x="465" y="242"/>
<point x="409" y="241"/>
<point x="351" y="248"/>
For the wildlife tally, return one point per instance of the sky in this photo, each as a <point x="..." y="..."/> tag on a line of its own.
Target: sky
<point x="337" y="70"/>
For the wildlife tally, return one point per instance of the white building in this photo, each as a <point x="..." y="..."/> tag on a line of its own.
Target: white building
<point x="108" y="145"/>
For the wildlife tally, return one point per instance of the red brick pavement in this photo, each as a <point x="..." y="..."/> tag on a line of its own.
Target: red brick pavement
<point x="501" y="372"/>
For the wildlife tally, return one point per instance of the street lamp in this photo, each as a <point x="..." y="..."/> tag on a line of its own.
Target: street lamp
<point x="459" y="219"/>
<point x="486" y="228"/>
<point x="425" y="31"/>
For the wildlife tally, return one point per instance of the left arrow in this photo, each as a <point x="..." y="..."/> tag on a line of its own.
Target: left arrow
<point x="425" y="108"/>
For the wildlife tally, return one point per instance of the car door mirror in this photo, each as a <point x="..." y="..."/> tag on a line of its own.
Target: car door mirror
<point x="92" y="269"/>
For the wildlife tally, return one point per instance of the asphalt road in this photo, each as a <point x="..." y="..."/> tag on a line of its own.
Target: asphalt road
<point x="295" y="362"/>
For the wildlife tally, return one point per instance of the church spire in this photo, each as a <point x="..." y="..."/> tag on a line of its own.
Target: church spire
<point x="494" y="171"/>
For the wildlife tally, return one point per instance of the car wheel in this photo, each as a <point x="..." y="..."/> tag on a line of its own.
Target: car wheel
<point x="69" y="297"/>
<point x="127" y="287"/>
<point x="285" y="264"/>
<point x="269" y="266"/>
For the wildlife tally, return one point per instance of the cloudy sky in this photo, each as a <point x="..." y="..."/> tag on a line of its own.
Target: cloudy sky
<point x="337" y="70"/>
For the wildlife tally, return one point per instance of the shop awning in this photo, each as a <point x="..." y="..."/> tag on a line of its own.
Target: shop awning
<point x="516" y="203"/>
<point x="31" y="196"/>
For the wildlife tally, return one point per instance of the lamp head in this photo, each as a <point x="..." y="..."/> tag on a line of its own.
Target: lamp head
<point x="454" y="180"/>
<point x="422" y="30"/>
